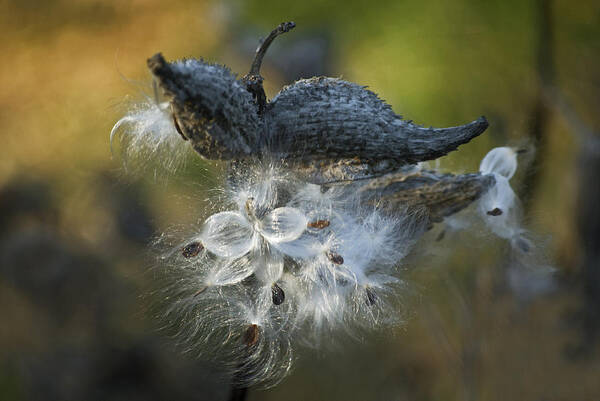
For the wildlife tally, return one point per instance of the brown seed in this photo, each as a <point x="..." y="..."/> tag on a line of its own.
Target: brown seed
<point x="496" y="212"/>
<point x="200" y="291"/>
<point x="319" y="224"/>
<point x="192" y="249"/>
<point x="277" y="294"/>
<point x="371" y="298"/>
<point x="335" y="258"/>
<point x="251" y="335"/>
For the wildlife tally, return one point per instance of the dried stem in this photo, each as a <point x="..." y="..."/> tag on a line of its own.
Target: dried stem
<point x="264" y="46"/>
<point x="253" y="80"/>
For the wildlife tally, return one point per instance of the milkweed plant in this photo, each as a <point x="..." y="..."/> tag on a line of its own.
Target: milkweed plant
<point x="326" y="193"/>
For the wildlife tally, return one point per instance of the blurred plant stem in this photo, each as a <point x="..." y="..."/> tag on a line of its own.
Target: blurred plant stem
<point x="540" y="112"/>
<point x="550" y="100"/>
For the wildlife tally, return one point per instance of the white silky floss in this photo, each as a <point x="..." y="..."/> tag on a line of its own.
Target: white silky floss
<point x="499" y="206"/>
<point x="147" y="134"/>
<point x="288" y="261"/>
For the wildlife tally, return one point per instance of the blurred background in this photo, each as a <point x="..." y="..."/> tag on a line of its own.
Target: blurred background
<point x="74" y="228"/>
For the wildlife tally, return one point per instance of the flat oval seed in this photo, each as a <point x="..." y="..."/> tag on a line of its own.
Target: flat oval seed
<point x="319" y="224"/>
<point x="192" y="249"/>
<point x="200" y="291"/>
<point x="251" y="335"/>
<point x="277" y="294"/>
<point x="496" y="212"/>
<point x="335" y="258"/>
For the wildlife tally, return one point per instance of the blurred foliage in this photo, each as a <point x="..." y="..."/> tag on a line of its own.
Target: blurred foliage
<point x="73" y="227"/>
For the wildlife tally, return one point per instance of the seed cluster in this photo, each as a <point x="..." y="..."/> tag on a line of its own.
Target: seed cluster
<point x="286" y="261"/>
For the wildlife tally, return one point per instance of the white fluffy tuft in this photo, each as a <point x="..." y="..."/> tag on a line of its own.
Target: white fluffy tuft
<point x="286" y="263"/>
<point x="147" y="134"/>
<point x="499" y="206"/>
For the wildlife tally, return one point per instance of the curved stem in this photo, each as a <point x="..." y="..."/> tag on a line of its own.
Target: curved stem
<point x="253" y="80"/>
<point x="264" y="46"/>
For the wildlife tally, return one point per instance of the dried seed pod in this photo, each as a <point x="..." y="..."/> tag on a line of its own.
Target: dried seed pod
<point x="335" y="258"/>
<point x="214" y="110"/>
<point x="319" y="224"/>
<point x="371" y="296"/>
<point x="309" y="124"/>
<point x="251" y="335"/>
<point x="438" y="195"/>
<point x="277" y="294"/>
<point x="192" y="249"/>
<point x="495" y="212"/>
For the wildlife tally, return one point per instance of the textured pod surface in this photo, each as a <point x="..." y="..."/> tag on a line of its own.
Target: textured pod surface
<point x="438" y="195"/>
<point x="326" y="128"/>
<point x="212" y="108"/>
<point x="331" y="119"/>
